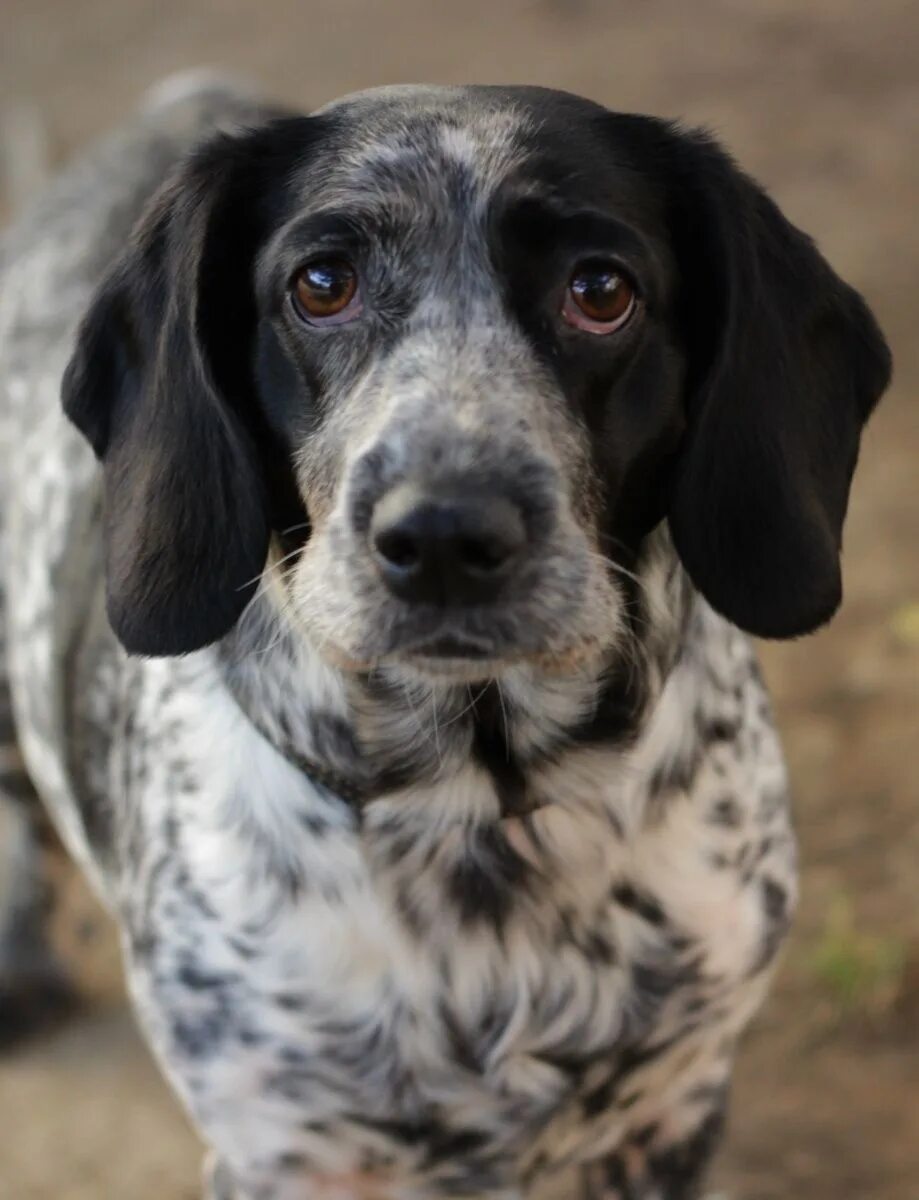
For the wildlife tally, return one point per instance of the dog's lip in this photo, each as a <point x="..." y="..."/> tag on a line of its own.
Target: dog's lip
<point x="451" y="646"/>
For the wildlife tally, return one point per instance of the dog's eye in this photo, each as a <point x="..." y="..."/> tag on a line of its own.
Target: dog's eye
<point x="326" y="291"/>
<point x="599" y="299"/>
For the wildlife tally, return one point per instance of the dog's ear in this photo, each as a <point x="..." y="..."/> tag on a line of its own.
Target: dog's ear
<point x="785" y="364"/>
<point x="160" y="383"/>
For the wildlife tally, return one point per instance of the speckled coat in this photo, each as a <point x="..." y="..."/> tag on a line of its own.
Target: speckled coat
<point x="433" y="988"/>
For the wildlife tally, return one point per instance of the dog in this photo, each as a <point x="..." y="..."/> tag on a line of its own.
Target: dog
<point x="376" y="603"/>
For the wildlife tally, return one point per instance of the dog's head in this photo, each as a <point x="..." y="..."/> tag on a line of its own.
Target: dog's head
<point x="458" y="351"/>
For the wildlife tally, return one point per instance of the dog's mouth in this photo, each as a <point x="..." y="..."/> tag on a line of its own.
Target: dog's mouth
<point x="448" y="646"/>
<point x="454" y="656"/>
<point x="457" y="658"/>
<point x="444" y="654"/>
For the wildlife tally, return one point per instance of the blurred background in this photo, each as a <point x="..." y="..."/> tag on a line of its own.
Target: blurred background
<point x="820" y="100"/>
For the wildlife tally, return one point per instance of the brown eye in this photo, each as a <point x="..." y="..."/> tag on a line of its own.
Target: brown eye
<point x="325" y="291"/>
<point x="600" y="299"/>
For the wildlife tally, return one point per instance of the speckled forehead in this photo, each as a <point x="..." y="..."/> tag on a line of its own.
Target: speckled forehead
<point x="393" y="140"/>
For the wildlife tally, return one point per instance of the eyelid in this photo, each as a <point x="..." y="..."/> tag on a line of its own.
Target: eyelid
<point x="320" y="255"/>
<point x="613" y="259"/>
<point x="326" y="248"/>
<point x="299" y="247"/>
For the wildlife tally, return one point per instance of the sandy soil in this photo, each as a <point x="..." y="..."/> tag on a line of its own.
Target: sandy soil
<point x="821" y="100"/>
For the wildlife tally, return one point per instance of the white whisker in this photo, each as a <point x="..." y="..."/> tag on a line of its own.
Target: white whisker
<point x="268" y="568"/>
<point x="619" y="569"/>
<point x="407" y="693"/>
<point x="469" y="707"/>
<point x="436" y="730"/>
<point x="507" y="732"/>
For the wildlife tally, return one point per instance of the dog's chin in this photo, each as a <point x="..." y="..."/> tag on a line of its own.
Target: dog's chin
<point x="417" y="673"/>
<point x="441" y="668"/>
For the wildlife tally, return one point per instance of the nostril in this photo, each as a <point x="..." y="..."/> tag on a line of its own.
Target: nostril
<point x="398" y="548"/>
<point x="492" y="540"/>
<point x="483" y="554"/>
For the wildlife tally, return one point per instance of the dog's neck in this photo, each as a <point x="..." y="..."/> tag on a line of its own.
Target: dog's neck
<point x="367" y="735"/>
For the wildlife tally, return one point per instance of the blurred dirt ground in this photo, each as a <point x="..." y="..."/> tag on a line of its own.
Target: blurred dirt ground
<point x="820" y="99"/>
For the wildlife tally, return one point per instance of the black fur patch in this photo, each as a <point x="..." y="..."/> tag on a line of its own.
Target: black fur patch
<point x="491" y="749"/>
<point x="483" y="884"/>
<point x="640" y="903"/>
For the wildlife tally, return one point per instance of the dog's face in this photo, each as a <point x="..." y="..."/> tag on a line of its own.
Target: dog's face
<point x="466" y="344"/>
<point x="454" y="354"/>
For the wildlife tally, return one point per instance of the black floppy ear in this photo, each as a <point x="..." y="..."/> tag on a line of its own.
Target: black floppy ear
<point x="785" y="365"/>
<point x="160" y="384"/>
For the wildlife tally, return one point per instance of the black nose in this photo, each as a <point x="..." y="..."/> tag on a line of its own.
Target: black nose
<point x="446" y="550"/>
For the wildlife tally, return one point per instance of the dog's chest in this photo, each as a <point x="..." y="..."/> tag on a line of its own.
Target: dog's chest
<point x="356" y="993"/>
